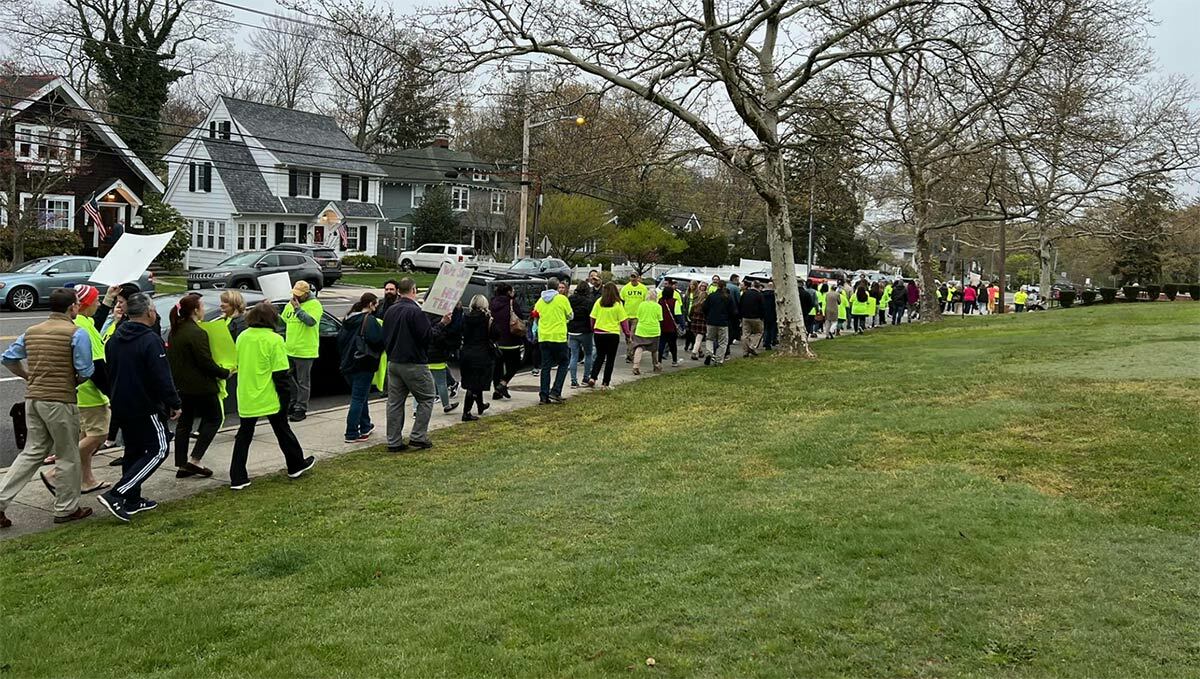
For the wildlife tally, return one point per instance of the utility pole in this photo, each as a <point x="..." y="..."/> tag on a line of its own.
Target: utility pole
<point x="526" y="126"/>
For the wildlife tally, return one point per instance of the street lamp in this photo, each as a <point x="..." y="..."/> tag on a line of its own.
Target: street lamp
<point x="526" y="127"/>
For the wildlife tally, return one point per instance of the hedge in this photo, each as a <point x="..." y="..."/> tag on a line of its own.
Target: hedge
<point x="1089" y="297"/>
<point x="1152" y="292"/>
<point x="1171" y="291"/>
<point x="1131" y="293"/>
<point x="1194" y="291"/>
<point x="368" y="262"/>
<point x="1066" y="298"/>
<point x="1109" y="295"/>
<point x="41" y="243"/>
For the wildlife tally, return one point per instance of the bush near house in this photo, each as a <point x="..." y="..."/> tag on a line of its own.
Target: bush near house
<point x="1089" y="297"/>
<point x="368" y="262"/>
<point x="1131" y="293"/>
<point x="1066" y="299"/>
<point x="1109" y="295"/>
<point x="41" y="243"/>
<point x="1171" y="291"/>
<point x="159" y="217"/>
<point x="1194" y="291"/>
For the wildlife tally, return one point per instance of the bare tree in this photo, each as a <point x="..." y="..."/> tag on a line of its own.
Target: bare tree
<point x="231" y="73"/>
<point x="288" y="54"/>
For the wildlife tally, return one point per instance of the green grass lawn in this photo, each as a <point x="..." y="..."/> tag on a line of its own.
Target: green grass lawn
<point x="376" y="279"/>
<point x="168" y="284"/>
<point x="1008" y="497"/>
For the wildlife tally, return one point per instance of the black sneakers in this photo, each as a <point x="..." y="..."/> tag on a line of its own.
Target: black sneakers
<point x="143" y="505"/>
<point x="308" y="464"/>
<point x="115" y="505"/>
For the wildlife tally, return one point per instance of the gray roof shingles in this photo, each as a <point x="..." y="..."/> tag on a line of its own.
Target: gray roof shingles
<point x="349" y="208"/>
<point x="243" y="181"/>
<point x="431" y="164"/>
<point x="319" y="144"/>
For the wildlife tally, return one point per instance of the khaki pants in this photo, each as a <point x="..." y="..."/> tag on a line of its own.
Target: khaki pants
<point x="752" y="332"/>
<point x="53" y="430"/>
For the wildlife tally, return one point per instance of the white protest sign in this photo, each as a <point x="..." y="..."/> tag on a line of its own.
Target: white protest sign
<point x="129" y="258"/>
<point x="975" y="278"/>
<point x="276" y="286"/>
<point x="447" y="289"/>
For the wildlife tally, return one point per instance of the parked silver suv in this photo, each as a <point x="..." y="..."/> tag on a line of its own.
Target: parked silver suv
<point x="242" y="270"/>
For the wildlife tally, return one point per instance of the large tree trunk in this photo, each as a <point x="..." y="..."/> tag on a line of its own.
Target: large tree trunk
<point x="792" y="337"/>
<point x="931" y="309"/>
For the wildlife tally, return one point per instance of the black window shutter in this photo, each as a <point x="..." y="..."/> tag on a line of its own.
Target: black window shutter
<point x="345" y="187"/>
<point x="362" y="191"/>
<point x="279" y="232"/>
<point x="225" y="129"/>
<point x="362" y="238"/>
<point x="291" y="186"/>
<point x="302" y="231"/>
<point x="208" y="177"/>
<point x="212" y="129"/>
<point x="316" y="185"/>
<point x="191" y="176"/>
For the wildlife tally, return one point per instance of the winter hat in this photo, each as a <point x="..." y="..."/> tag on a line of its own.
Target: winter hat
<point x="86" y="295"/>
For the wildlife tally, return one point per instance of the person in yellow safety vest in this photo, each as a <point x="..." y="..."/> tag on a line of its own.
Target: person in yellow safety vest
<point x="950" y="290"/>
<point x="885" y="301"/>
<point x="843" y="306"/>
<point x="1019" y="299"/>
<point x="860" y="308"/>
<point x="633" y="294"/>
<point x="872" y="304"/>
<point x="302" y="338"/>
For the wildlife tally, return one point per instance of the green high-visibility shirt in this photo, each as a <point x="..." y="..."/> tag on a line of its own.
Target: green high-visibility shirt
<point x="552" y="318"/>
<point x="1020" y="297"/>
<point x="608" y="318"/>
<point x="632" y="297"/>
<point x="649" y="318"/>
<point x="860" y="308"/>
<point x="88" y="395"/>
<point x="303" y="341"/>
<point x="260" y="352"/>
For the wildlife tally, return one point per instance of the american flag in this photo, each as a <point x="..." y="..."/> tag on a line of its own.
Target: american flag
<point x="343" y="233"/>
<point x="92" y="208"/>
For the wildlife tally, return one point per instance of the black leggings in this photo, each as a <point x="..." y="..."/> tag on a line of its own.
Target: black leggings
<point x="508" y="365"/>
<point x="208" y="408"/>
<point x="606" y="354"/>
<point x="473" y="398"/>
<point x="293" y="454"/>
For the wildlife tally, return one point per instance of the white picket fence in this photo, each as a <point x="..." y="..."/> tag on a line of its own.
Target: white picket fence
<point x="622" y="271"/>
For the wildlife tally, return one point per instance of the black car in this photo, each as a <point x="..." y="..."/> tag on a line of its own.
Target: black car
<point x="326" y="375"/>
<point x="331" y="266"/>
<point x="242" y="270"/>
<point x="542" y="267"/>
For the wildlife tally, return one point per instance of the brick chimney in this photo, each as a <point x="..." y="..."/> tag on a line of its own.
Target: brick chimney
<point x="440" y="140"/>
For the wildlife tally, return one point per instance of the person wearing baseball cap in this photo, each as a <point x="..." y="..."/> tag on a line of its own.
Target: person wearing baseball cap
<point x="302" y="339"/>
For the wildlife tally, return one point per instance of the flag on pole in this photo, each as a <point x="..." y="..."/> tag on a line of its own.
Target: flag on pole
<point x="343" y="233"/>
<point x="92" y="208"/>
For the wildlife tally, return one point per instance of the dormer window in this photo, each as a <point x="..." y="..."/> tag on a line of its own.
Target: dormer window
<point x="42" y="143"/>
<point x="220" y="129"/>
<point x="479" y="176"/>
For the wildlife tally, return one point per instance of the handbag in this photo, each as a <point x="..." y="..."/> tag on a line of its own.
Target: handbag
<point x="820" y="317"/>
<point x="515" y="325"/>
<point x="363" y="351"/>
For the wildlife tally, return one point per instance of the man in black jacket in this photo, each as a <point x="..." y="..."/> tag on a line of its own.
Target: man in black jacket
<point x="390" y="296"/>
<point x="143" y="397"/>
<point x="750" y="308"/>
<point x="407" y="332"/>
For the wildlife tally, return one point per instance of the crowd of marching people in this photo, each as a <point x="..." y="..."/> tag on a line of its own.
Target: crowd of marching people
<point x="98" y="366"/>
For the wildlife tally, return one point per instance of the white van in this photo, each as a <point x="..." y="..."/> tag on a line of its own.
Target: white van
<point x="430" y="256"/>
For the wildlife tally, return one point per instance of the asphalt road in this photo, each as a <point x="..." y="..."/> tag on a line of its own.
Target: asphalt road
<point x="12" y="389"/>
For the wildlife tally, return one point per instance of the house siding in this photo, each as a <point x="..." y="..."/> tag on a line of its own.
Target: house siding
<point x="99" y="164"/>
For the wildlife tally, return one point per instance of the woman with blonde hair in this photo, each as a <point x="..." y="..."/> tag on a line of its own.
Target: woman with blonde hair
<point x="476" y="357"/>
<point x="233" y="312"/>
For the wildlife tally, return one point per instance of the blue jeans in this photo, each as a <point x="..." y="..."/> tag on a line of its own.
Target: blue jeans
<point x="554" y="354"/>
<point x="574" y="344"/>
<point x="441" y="383"/>
<point x="358" y="419"/>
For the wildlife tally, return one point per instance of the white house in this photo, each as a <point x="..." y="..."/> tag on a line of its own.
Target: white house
<point x="253" y="176"/>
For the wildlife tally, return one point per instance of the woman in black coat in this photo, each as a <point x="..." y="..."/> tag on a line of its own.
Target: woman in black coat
<point x="475" y="358"/>
<point x="503" y="307"/>
<point x="197" y="379"/>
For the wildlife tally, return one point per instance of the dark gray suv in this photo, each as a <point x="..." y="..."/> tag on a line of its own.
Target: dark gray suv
<point x="242" y="270"/>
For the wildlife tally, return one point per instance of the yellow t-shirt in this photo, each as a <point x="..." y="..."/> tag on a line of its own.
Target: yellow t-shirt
<point x="608" y="318"/>
<point x="260" y="352"/>
<point x="303" y="341"/>
<point x="552" y="319"/>
<point x="88" y="394"/>
<point x="632" y="297"/>
<point x="649" y="318"/>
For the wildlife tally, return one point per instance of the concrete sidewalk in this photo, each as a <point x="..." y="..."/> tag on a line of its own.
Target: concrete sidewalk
<point x="322" y="434"/>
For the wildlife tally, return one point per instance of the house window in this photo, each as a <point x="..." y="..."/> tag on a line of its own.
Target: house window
<point x="195" y="226"/>
<point x="498" y="203"/>
<point x="212" y="233"/>
<point x="241" y="236"/>
<point x="262" y="236"/>
<point x="303" y="183"/>
<point x="220" y="235"/>
<point x="219" y="129"/>
<point x="289" y="233"/>
<point x="460" y="198"/>
<point x="53" y="212"/>
<point x="418" y="195"/>
<point x="42" y="143"/>
<point x="352" y="238"/>
<point x="200" y="177"/>
<point x="479" y="176"/>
